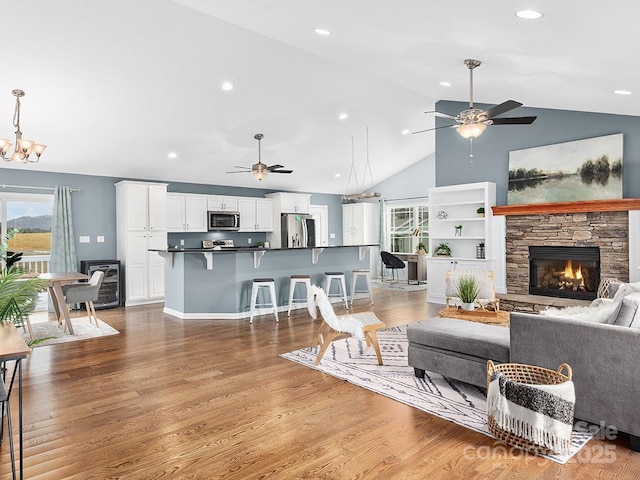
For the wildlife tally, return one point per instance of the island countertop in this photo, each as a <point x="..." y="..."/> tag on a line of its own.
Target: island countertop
<point x="247" y="249"/>
<point x="216" y="284"/>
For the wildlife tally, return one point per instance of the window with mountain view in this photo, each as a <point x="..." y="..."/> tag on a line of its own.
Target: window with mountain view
<point x="25" y="220"/>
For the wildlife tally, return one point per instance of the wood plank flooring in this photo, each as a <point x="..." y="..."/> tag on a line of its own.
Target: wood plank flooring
<point x="176" y="399"/>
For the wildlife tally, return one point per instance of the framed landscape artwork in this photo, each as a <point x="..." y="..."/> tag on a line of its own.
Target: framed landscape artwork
<point x="589" y="169"/>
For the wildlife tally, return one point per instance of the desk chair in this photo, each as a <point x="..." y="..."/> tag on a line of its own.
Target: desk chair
<point x="86" y="293"/>
<point x="393" y="263"/>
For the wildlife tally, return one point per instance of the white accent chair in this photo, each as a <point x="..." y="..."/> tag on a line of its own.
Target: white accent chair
<point x="360" y="325"/>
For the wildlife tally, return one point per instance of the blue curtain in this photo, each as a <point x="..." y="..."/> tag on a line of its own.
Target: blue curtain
<point x="63" y="247"/>
<point x="383" y="235"/>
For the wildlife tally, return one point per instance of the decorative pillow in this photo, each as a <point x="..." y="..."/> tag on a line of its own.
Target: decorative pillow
<point x="628" y="311"/>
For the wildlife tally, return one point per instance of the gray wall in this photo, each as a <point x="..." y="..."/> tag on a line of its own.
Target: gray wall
<point x="491" y="149"/>
<point x="414" y="181"/>
<point x="94" y="208"/>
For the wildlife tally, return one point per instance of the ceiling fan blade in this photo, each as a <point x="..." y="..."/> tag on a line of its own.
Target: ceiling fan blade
<point x="442" y="114"/>
<point x="240" y="171"/>
<point x="274" y="167"/>
<point x="281" y="171"/>
<point x="514" y="121"/>
<point x="435" y="128"/>
<point x="241" y="166"/>
<point x="504" y="107"/>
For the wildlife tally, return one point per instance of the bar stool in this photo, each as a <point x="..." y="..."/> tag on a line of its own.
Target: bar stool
<point x="270" y="284"/>
<point x="361" y="273"/>
<point x="295" y="280"/>
<point x="339" y="276"/>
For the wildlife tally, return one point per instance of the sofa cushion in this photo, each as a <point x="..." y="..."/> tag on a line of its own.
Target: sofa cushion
<point x="628" y="312"/>
<point x="471" y="338"/>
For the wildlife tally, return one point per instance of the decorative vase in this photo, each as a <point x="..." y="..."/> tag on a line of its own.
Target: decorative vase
<point x="468" y="306"/>
<point x="481" y="215"/>
<point x="422" y="251"/>
<point x="458" y="231"/>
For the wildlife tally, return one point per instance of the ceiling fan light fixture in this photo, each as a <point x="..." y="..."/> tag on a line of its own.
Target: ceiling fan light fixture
<point x="471" y="130"/>
<point x="259" y="174"/>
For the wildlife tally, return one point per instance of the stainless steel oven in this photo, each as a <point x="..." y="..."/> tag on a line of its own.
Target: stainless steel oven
<point x="223" y="221"/>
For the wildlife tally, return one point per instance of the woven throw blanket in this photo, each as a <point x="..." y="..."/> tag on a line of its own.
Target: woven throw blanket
<point x="542" y="414"/>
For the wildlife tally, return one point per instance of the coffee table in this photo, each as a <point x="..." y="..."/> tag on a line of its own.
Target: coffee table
<point x="499" y="317"/>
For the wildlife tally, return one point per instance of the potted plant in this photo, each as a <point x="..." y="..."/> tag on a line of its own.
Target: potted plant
<point x="458" y="230"/>
<point x="421" y="248"/>
<point x="443" y="250"/>
<point x="260" y="244"/>
<point x="467" y="291"/>
<point x="480" y="212"/>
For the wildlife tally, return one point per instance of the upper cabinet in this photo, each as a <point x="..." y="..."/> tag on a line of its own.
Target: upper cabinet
<point x="143" y="205"/>
<point x="256" y="214"/>
<point x="360" y="224"/>
<point x="290" y="202"/>
<point x="219" y="203"/>
<point x="186" y="212"/>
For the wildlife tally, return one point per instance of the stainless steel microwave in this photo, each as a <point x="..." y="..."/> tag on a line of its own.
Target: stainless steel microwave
<point x="223" y="221"/>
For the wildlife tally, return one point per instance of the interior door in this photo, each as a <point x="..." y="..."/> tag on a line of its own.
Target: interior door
<point x="320" y="215"/>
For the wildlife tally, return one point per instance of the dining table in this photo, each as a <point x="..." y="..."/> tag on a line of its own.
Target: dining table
<point x="54" y="284"/>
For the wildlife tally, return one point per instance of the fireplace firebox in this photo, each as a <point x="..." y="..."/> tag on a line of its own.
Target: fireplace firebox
<point x="568" y="272"/>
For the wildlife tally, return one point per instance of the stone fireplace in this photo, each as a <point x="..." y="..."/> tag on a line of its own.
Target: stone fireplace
<point x="603" y="225"/>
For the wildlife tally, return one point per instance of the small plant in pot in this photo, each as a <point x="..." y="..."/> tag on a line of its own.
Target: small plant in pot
<point x="421" y="248"/>
<point x="480" y="212"/>
<point x="443" y="250"/>
<point x="467" y="291"/>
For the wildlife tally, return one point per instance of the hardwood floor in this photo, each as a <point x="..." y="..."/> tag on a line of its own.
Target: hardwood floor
<point x="213" y="400"/>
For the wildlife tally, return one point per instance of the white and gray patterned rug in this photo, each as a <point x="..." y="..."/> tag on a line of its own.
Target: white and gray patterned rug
<point x="83" y="329"/>
<point x="350" y="359"/>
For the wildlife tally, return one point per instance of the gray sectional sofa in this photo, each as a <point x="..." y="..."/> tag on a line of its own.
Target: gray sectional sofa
<point x="604" y="357"/>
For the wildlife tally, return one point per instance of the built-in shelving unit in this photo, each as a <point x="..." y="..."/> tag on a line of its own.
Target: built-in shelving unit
<point x="453" y="219"/>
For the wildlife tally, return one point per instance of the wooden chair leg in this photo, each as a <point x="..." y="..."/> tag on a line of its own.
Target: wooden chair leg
<point x="372" y="339"/>
<point x="318" y="339"/>
<point x="93" y="311"/>
<point x="331" y="336"/>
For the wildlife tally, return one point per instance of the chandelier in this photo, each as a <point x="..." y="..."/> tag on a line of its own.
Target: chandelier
<point x="23" y="148"/>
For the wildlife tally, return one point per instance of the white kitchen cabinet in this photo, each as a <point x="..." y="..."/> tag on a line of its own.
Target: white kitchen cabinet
<point x="290" y="202"/>
<point x="186" y="212"/>
<point x="360" y="223"/>
<point x="141" y="219"/>
<point x="221" y="203"/>
<point x="456" y="206"/>
<point x="256" y="214"/>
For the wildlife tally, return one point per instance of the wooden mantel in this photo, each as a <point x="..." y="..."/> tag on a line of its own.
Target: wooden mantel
<point x="617" y="205"/>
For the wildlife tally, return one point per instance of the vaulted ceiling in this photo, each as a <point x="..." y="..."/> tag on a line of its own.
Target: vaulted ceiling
<point x="113" y="86"/>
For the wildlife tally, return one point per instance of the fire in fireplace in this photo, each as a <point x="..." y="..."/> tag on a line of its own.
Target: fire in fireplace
<point x="569" y="272"/>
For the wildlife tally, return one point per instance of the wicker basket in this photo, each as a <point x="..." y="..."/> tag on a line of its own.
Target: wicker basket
<point x="532" y="375"/>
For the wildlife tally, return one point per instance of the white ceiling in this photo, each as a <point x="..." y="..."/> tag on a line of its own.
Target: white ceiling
<point x="113" y="86"/>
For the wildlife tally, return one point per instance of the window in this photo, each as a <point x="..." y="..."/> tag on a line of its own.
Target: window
<point x="407" y="226"/>
<point x="31" y="215"/>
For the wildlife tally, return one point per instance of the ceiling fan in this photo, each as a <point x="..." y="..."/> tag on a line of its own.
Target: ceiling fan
<point x="470" y="123"/>
<point x="260" y="170"/>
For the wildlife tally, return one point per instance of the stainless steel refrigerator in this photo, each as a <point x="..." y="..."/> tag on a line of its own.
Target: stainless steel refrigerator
<point x="298" y="231"/>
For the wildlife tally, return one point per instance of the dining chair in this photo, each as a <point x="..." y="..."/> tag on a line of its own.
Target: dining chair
<point x="86" y="293"/>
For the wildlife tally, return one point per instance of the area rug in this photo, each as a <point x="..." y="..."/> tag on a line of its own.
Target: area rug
<point x="350" y="359"/>
<point x="398" y="285"/>
<point x="82" y="327"/>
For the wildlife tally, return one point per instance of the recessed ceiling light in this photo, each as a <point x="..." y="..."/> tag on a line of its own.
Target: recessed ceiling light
<point x="172" y="155"/>
<point x="445" y="84"/>
<point x="622" y="92"/>
<point x="227" y="86"/>
<point x="337" y="175"/>
<point x="343" y="116"/>
<point x="322" y="31"/>
<point x="529" y="14"/>
<point x="405" y="132"/>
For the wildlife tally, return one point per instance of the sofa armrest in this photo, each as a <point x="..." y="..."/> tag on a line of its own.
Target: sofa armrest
<point x="604" y="359"/>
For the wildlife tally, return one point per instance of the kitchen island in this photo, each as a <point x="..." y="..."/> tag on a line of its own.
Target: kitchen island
<point x="216" y="284"/>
